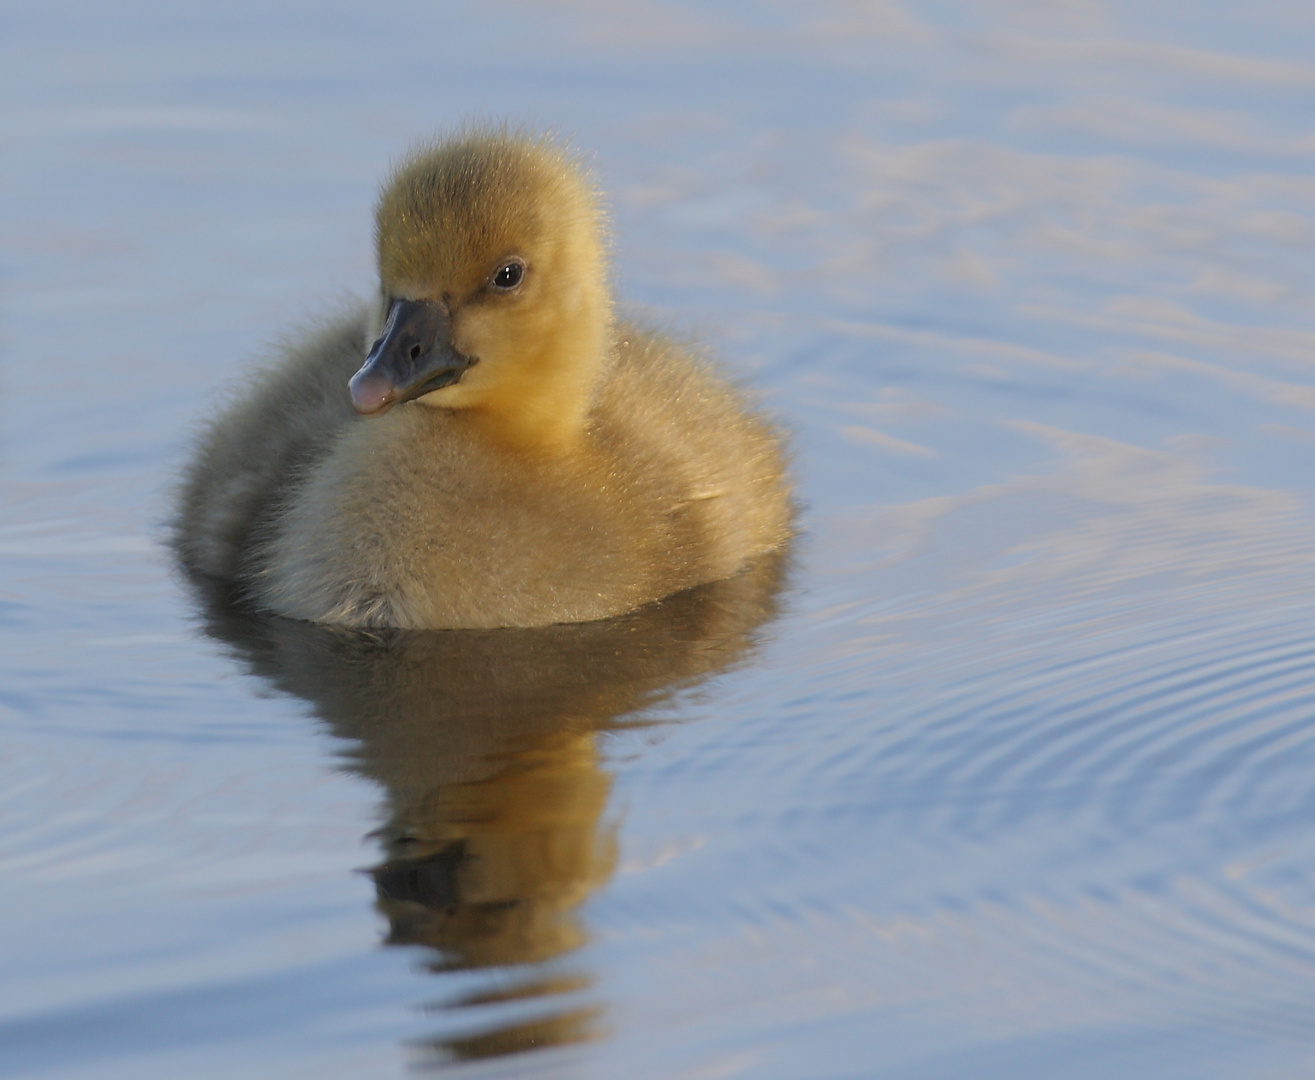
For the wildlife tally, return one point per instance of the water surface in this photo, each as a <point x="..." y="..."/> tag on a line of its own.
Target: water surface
<point x="1008" y="773"/>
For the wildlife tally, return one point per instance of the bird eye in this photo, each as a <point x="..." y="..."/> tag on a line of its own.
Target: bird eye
<point x="509" y="276"/>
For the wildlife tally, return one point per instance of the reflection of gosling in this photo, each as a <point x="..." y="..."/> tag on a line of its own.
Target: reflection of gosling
<point x="518" y="460"/>
<point x="491" y="870"/>
<point x="484" y="742"/>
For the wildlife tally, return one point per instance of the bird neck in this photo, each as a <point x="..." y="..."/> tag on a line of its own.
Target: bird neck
<point x="546" y="410"/>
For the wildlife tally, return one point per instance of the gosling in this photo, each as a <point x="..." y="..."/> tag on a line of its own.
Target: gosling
<point x="506" y="452"/>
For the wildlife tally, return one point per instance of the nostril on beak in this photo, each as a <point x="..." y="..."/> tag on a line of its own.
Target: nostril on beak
<point x="415" y="352"/>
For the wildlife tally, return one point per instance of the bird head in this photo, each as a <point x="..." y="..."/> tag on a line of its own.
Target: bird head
<point x="493" y="286"/>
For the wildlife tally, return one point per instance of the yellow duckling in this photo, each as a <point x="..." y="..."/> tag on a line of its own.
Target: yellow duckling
<point x="507" y="454"/>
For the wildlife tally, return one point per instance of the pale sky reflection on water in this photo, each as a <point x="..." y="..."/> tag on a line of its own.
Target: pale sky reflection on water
<point x="1010" y="778"/>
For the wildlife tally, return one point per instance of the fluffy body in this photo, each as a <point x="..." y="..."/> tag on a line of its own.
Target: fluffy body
<point x="581" y="469"/>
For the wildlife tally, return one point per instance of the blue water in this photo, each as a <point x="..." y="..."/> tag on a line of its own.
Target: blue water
<point x="1009" y="773"/>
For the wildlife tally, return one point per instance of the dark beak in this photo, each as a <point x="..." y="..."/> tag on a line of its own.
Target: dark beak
<point x="414" y="356"/>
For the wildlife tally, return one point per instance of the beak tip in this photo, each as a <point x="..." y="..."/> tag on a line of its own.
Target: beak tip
<point x="371" y="394"/>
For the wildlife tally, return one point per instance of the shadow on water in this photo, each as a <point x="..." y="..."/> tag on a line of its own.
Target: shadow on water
<point x="485" y="743"/>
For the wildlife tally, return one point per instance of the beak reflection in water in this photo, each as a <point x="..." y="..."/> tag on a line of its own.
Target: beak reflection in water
<point x="486" y="745"/>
